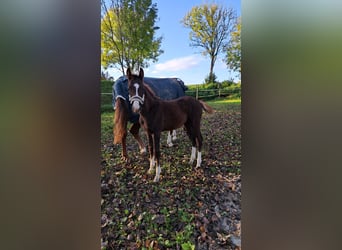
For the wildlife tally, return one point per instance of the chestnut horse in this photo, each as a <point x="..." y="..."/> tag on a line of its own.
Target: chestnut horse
<point x="165" y="88"/>
<point x="157" y="115"/>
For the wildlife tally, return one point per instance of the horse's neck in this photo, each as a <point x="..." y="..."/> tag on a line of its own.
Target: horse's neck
<point x="150" y="100"/>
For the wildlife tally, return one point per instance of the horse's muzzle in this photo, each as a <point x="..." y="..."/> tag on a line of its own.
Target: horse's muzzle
<point x="136" y="106"/>
<point x="136" y="102"/>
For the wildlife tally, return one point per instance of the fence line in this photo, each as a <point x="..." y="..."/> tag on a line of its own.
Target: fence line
<point x="206" y="93"/>
<point x="209" y="93"/>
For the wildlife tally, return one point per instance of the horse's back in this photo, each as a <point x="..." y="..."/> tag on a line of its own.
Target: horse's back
<point x="166" y="88"/>
<point x="187" y="104"/>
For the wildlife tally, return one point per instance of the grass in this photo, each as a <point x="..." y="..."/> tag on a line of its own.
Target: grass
<point x="225" y="101"/>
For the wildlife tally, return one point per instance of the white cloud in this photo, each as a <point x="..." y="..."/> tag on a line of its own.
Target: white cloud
<point x="178" y="64"/>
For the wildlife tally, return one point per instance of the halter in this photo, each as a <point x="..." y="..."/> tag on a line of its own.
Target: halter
<point x="136" y="97"/>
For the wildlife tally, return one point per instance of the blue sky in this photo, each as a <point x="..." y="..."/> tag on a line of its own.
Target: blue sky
<point x="179" y="59"/>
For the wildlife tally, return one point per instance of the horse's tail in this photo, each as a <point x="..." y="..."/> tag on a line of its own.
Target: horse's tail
<point x="120" y="121"/>
<point x="206" y="107"/>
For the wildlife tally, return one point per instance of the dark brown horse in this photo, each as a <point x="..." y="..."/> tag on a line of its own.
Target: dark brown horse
<point x="165" y="88"/>
<point x="158" y="115"/>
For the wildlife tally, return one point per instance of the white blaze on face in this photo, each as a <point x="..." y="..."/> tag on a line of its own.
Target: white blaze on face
<point x="136" y="105"/>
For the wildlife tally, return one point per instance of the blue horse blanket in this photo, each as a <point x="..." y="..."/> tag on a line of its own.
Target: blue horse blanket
<point x="165" y="88"/>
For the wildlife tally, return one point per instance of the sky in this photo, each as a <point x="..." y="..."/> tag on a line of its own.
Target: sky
<point x="179" y="59"/>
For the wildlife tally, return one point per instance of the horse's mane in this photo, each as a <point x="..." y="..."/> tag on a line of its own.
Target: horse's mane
<point x="150" y="91"/>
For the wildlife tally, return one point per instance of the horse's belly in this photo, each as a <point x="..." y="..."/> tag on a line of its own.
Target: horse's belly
<point x="174" y="123"/>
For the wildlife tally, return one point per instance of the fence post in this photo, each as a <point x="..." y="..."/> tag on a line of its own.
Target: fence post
<point x="197" y="93"/>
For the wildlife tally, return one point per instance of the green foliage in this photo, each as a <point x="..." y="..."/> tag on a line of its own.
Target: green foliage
<point x="188" y="246"/>
<point x="210" y="26"/>
<point x="106" y="86"/>
<point x="211" y="79"/>
<point x="128" y="34"/>
<point x="226" y="84"/>
<point x="233" y="49"/>
<point x="211" y="91"/>
<point x="106" y="96"/>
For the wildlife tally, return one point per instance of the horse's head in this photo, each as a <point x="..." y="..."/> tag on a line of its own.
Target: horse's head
<point x="136" y="89"/>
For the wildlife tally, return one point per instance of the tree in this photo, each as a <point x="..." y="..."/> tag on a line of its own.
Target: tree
<point x="233" y="49"/>
<point x="210" y="79"/>
<point x="128" y="34"/>
<point x="210" y="26"/>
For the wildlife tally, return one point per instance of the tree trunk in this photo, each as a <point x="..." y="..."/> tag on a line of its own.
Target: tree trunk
<point x="212" y="63"/>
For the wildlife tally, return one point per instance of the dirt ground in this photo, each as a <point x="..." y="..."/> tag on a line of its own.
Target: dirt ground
<point x="189" y="208"/>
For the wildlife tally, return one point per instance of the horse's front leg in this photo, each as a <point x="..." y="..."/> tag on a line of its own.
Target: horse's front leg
<point x="156" y="144"/>
<point x="124" y="155"/>
<point x="150" y="149"/>
<point x="135" y="132"/>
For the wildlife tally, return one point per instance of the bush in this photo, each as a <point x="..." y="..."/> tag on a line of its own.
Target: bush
<point x="212" y="79"/>
<point x="226" y="84"/>
<point x="106" y="86"/>
<point x="106" y="99"/>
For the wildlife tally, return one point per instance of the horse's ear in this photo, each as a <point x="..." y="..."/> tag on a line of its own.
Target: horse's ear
<point x="141" y="73"/>
<point x="129" y="73"/>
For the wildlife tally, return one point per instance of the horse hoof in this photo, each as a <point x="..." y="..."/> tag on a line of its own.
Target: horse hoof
<point x="155" y="179"/>
<point x="143" y="151"/>
<point x="124" y="158"/>
<point x="150" y="171"/>
<point x="170" y="144"/>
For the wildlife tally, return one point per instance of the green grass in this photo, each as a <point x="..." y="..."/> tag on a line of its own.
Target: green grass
<point x="107" y="124"/>
<point x="225" y="101"/>
<point x="225" y="104"/>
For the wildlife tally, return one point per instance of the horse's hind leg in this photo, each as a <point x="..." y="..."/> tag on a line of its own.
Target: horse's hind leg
<point x="156" y="144"/>
<point x="169" y="139"/>
<point x="135" y="132"/>
<point x="199" y="140"/>
<point x="190" y="132"/>
<point x="151" y="151"/>
<point x="174" y="135"/>
<point x="196" y="138"/>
